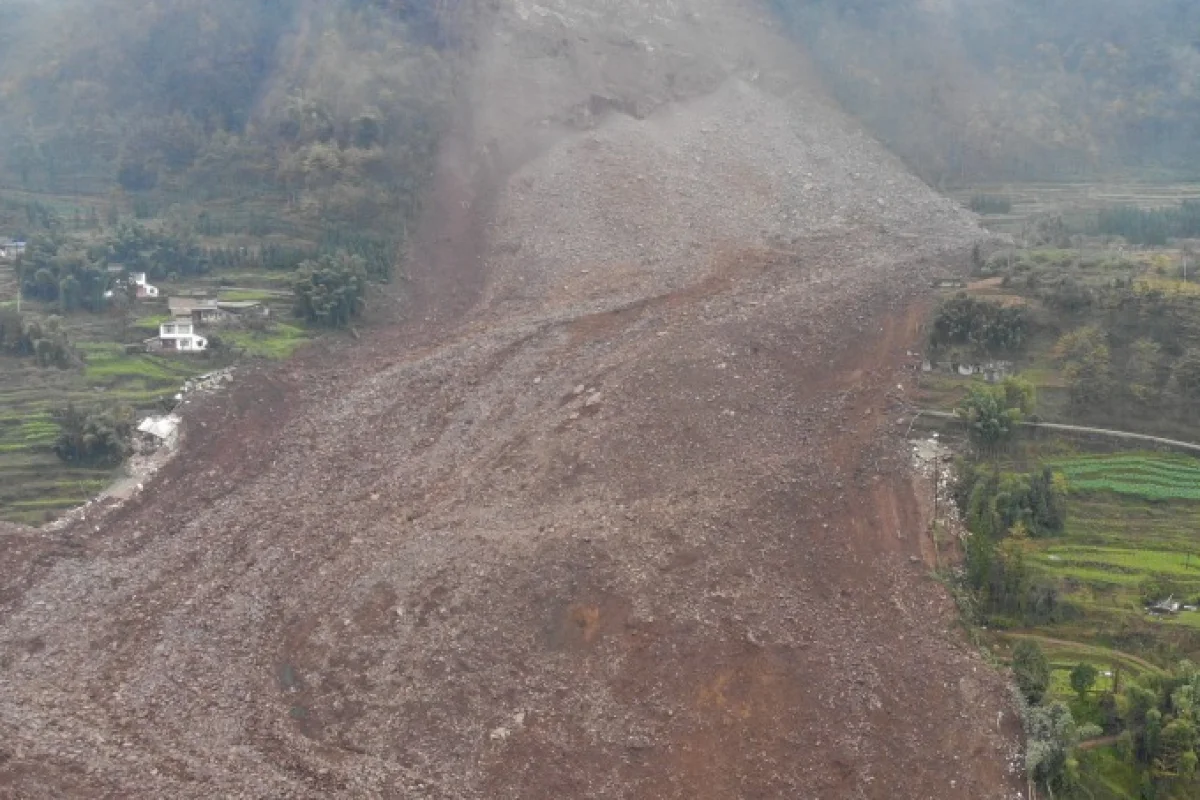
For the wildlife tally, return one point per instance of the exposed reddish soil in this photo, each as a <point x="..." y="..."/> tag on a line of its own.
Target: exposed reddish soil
<point x="569" y="529"/>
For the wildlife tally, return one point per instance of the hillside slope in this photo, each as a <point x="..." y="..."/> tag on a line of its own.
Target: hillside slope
<point x="618" y="510"/>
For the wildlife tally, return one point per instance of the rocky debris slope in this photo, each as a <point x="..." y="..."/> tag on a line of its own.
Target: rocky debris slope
<point x="639" y="526"/>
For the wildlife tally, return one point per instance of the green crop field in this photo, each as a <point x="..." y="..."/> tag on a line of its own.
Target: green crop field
<point x="1149" y="477"/>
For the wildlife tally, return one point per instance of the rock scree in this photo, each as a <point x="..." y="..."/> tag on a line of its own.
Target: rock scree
<point x="616" y="506"/>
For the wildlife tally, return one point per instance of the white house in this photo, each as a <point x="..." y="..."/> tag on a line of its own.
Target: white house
<point x="143" y="289"/>
<point x="10" y="250"/>
<point x="180" y="335"/>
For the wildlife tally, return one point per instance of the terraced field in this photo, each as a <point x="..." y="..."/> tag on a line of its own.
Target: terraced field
<point x="34" y="484"/>
<point x="1132" y="518"/>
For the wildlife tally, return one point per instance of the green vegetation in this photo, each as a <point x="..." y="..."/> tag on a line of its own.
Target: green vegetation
<point x="277" y="341"/>
<point x="44" y="340"/>
<point x="1110" y="340"/>
<point x="222" y="148"/>
<point x="1149" y="477"/>
<point x="99" y="437"/>
<point x="35" y="483"/>
<point x="1151" y="226"/>
<point x="311" y="114"/>
<point x="1051" y="736"/>
<point x="1020" y="90"/>
<point x="1072" y="604"/>
<point x="331" y="291"/>
<point x="983" y="326"/>
<point x="1083" y="678"/>
<point x="1031" y="670"/>
<point x="991" y="414"/>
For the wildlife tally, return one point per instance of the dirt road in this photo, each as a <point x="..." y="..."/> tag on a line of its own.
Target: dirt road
<point x="619" y="509"/>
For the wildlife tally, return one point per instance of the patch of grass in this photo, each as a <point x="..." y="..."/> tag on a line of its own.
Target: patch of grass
<point x="150" y="369"/>
<point x="151" y="323"/>
<point x="279" y="342"/>
<point x="250" y="295"/>
<point x="1106" y="776"/>
<point x="1125" y="561"/>
<point x="1062" y="652"/>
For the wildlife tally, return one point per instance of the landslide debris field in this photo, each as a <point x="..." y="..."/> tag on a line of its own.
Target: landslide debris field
<point x="620" y="508"/>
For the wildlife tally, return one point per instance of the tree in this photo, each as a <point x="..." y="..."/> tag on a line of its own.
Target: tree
<point x="1083" y="678"/>
<point x="991" y="422"/>
<point x="330" y="291"/>
<point x="1087" y="365"/>
<point x="1031" y="670"/>
<point x="1047" y="509"/>
<point x="985" y="326"/>
<point x="1187" y="374"/>
<point x="100" y="437"/>
<point x="44" y="339"/>
<point x="1019" y="394"/>
<point x="1176" y="751"/>
<point x="1141" y="370"/>
<point x="1051" y="736"/>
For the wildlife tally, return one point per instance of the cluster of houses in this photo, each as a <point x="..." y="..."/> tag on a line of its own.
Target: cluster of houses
<point x="189" y="315"/>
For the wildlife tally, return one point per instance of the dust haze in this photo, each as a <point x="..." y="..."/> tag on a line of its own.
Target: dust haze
<point x="602" y="489"/>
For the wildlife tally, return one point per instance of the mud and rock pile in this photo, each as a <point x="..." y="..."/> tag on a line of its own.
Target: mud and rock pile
<point x="638" y="525"/>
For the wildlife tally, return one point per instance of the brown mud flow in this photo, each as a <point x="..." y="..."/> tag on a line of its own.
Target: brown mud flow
<point x="616" y="507"/>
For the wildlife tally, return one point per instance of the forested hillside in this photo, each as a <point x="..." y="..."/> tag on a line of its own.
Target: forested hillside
<point x="331" y="107"/>
<point x="260" y="153"/>
<point x="970" y="90"/>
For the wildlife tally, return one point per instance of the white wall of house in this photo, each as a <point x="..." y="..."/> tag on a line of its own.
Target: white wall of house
<point x="181" y="335"/>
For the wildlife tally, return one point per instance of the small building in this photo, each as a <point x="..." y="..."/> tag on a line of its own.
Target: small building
<point x="199" y="311"/>
<point x="160" y="430"/>
<point x="179" y="335"/>
<point x="1167" y="607"/>
<point x="144" y="290"/>
<point x="10" y="249"/>
<point x="245" y="309"/>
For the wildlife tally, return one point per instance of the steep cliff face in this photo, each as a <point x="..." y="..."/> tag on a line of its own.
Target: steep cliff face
<point x="620" y="510"/>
